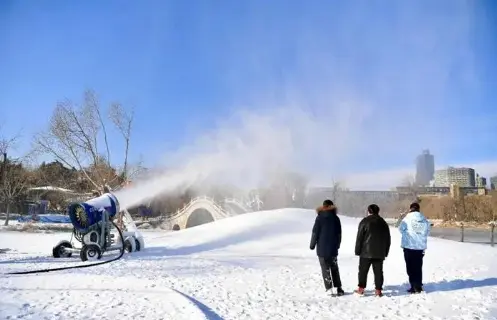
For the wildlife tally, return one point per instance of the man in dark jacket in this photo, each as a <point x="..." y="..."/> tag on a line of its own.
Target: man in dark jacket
<point x="327" y="235"/>
<point x="372" y="246"/>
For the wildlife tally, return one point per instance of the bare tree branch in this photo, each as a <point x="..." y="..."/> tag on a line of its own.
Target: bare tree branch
<point x="409" y="185"/>
<point x="337" y="187"/>
<point x="62" y="151"/>
<point x="14" y="183"/>
<point x="75" y="133"/>
<point x="124" y="122"/>
<point x="136" y="169"/>
<point x="408" y="181"/>
<point x="70" y="137"/>
<point x="6" y="144"/>
<point x="91" y="100"/>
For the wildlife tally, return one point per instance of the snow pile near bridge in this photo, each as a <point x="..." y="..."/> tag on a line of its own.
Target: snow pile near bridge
<point x="253" y="266"/>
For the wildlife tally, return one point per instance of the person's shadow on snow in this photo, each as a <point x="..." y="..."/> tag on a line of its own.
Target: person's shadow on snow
<point x="441" y="286"/>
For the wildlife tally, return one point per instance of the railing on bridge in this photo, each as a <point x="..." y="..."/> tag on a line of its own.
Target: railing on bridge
<point x="213" y="202"/>
<point x="185" y="208"/>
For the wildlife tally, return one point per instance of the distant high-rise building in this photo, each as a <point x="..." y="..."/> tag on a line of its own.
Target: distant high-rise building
<point x="493" y="182"/>
<point x="463" y="177"/>
<point x="481" y="182"/>
<point x="425" y="168"/>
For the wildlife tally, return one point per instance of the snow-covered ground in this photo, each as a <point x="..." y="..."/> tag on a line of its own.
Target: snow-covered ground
<point x="254" y="266"/>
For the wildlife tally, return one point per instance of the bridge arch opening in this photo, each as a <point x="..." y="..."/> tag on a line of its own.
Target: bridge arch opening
<point x="198" y="217"/>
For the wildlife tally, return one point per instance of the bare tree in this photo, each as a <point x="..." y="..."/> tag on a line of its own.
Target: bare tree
<point x="493" y="203"/>
<point x="14" y="178"/>
<point x="336" y="188"/>
<point x="78" y="137"/>
<point x="285" y="188"/>
<point x="124" y="123"/>
<point x="15" y="184"/>
<point x="408" y="193"/>
<point x="409" y="187"/>
<point x="408" y="181"/>
<point x="6" y="144"/>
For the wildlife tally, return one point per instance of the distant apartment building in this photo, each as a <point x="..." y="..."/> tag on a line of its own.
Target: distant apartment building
<point x="425" y="168"/>
<point x="493" y="183"/>
<point x="481" y="182"/>
<point x="463" y="177"/>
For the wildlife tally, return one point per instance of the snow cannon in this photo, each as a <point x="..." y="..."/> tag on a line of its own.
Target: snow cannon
<point x="84" y="215"/>
<point x="93" y="226"/>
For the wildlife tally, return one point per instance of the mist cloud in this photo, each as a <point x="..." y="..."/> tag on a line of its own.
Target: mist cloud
<point x="341" y="93"/>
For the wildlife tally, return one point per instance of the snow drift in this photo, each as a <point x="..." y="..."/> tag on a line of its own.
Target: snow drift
<point x="252" y="266"/>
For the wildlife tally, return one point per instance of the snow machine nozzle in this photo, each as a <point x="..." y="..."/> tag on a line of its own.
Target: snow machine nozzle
<point x="84" y="215"/>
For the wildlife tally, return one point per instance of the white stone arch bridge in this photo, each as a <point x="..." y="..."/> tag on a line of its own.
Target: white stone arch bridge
<point x="202" y="210"/>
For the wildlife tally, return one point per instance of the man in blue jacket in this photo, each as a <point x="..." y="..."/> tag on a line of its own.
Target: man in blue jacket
<point x="327" y="235"/>
<point x="414" y="229"/>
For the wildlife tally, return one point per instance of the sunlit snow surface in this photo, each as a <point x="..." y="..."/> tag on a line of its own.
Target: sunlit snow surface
<point x="254" y="266"/>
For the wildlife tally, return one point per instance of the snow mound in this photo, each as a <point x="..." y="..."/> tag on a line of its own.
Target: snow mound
<point x="252" y="266"/>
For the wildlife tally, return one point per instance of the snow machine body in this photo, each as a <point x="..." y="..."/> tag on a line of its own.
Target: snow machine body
<point x="94" y="228"/>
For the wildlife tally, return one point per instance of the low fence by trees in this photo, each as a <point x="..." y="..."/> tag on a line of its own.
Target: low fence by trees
<point x="486" y="235"/>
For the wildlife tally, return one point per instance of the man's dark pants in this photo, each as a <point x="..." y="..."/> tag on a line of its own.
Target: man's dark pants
<point x="414" y="267"/>
<point x="330" y="272"/>
<point x="364" y="265"/>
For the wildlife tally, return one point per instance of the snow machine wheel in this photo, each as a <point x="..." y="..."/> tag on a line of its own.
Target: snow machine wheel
<point x="127" y="246"/>
<point x="59" y="252"/>
<point x="137" y="245"/>
<point x="90" y="252"/>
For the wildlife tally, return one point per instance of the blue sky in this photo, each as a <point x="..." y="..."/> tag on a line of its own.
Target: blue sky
<point x="426" y="69"/>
